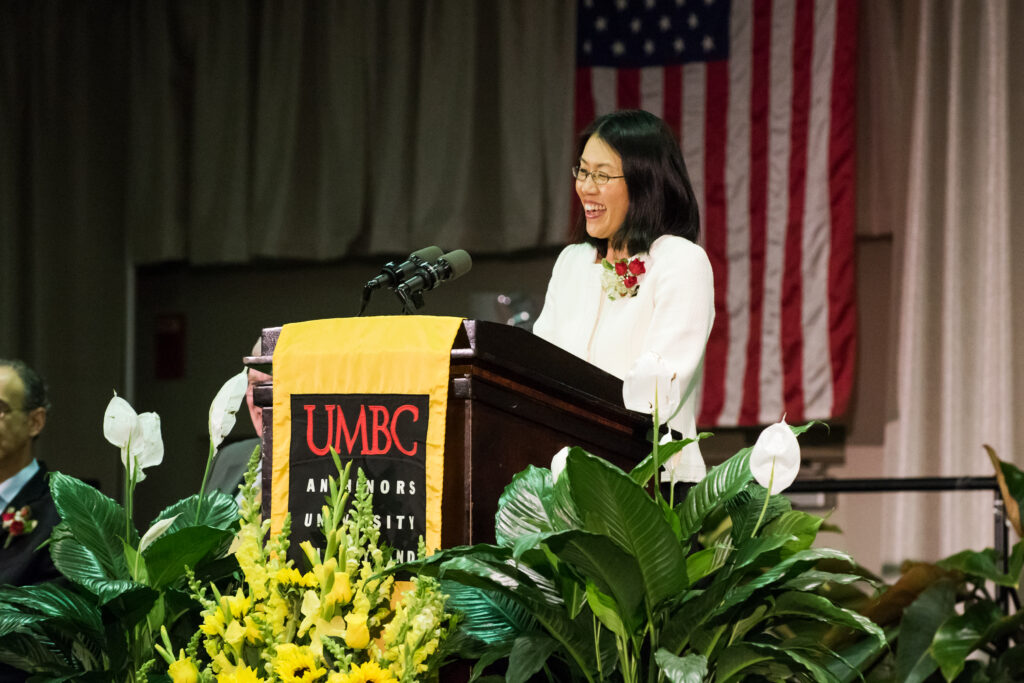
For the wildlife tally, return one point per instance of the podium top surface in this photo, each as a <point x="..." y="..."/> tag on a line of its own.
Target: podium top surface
<point x="487" y="347"/>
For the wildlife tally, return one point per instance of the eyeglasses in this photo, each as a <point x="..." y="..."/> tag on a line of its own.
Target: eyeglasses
<point x="599" y="177"/>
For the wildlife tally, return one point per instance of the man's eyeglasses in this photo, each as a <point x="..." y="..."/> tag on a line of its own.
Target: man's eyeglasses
<point x="599" y="177"/>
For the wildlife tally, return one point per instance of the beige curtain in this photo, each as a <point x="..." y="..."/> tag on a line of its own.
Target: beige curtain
<point x="960" y="323"/>
<point x="314" y="130"/>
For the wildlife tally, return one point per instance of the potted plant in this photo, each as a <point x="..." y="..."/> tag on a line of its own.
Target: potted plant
<point x="595" y="576"/>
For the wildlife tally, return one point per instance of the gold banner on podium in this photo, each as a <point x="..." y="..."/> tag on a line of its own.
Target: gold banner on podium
<point x="375" y="389"/>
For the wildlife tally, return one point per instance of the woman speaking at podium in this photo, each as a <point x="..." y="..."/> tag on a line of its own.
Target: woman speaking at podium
<point x="636" y="280"/>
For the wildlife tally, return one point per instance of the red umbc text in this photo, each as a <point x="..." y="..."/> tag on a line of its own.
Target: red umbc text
<point x="375" y="437"/>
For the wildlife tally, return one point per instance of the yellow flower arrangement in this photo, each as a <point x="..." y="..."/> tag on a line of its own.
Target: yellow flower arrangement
<point x="342" y="621"/>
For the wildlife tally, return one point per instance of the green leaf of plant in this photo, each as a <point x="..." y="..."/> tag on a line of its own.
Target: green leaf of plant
<point x="820" y="608"/>
<point x="612" y="504"/>
<point x="771" y="661"/>
<point x="644" y="470"/>
<point x="689" y="669"/>
<point x="851" y="662"/>
<point x="745" y="511"/>
<point x="1009" y="663"/>
<point x="487" y="615"/>
<point x="219" y="510"/>
<point x="598" y="559"/>
<point x="741" y="627"/>
<point x="721" y="483"/>
<point x="921" y="620"/>
<point x="80" y="565"/>
<point x="169" y="555"/>
<point x="604" y="608"/>
<point x="737" y="661"/>
<point x="94" y="521"/>
<point x="529" y="653"/>
<point x="979" y="563"/>
<point x="32" y="651"/>
<point x="56" y="603"/>
<point x="784" y="570"/>
<point x="535" y="593"/>
<point x="702" y="563"/>
<point x="815" y="665"/>
<point x="131" y="606"/>
<point x="796" y="523"/>
<point x="961" y="634"/>
<point x="814" y="579"/>
<point x="529" y="507"/>
<point x="750" y="549"/>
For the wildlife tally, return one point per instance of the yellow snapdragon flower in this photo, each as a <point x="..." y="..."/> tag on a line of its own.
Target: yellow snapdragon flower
<point x="357" y="634"/>
<point x="183" y="671"/>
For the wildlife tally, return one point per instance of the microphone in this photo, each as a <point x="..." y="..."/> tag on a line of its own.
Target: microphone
<point x="393" y="274"/>
<point x="429" y="275"/>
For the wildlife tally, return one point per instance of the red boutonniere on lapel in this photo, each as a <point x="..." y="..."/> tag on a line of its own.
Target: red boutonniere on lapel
<point x="18" y="523"/>
<point x="622" y="278"/>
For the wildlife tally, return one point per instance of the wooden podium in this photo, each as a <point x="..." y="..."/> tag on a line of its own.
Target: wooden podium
<point x="513" y="400"/>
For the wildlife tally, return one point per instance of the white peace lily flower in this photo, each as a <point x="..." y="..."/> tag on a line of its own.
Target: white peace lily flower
<point x="558" y="463"/>
<point x="776" y="445"/>
<point x="650" y="376"/>
<point x="138" y="436"/>
<point x="224" y="407"/>
<point x="686" y="465"/>
<point x="147" y="446"/>
<point x="118" y="421"/>
<point x="156" y="531"/>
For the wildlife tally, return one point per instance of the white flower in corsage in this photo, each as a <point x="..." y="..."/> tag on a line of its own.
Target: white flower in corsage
<point x="621" y="279"/>
<point x="138" y="437"/>
<point x="775" y="460"/>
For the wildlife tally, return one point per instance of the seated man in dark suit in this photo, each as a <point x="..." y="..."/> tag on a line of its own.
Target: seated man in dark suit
<point x="29" y="513"/>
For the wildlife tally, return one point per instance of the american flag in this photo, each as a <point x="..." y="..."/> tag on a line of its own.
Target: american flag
<point x="761" y="95"/>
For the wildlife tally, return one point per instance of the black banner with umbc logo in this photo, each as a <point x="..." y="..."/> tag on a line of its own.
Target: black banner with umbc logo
<point x="385" y="435"/>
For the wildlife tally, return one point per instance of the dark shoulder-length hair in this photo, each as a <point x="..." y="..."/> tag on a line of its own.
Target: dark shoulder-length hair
<point x="661" y="198"/>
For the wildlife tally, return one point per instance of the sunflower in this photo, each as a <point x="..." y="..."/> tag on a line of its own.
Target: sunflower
<point x="370" y="672"/>
<point x="242" y="674"/>
<point x="295" y="664"/>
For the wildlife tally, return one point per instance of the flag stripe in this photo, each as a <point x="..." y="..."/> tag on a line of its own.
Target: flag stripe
<point x="781" y="114"/>
<point x="585" y="100"/>
<point x="760" y="84"/>
<point x="652" y="88"/>
<point x="628" y="89"/>
<point x="738" y="202"/>
<point x="672" y="109"/>
<point x="715" y="135"/>
<point x="792" y="287"/>
<point x="817" y="248"/>
<point x="842" y="313"/>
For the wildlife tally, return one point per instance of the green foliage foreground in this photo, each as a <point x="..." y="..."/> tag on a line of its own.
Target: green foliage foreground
<point x="592" y="578"/>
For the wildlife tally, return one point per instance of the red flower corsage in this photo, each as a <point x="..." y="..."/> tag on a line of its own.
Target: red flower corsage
<point x="18" y="523"/>
<point x="622" y="278"/>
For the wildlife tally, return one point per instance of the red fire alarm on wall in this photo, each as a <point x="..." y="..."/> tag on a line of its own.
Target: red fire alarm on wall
<point x="169" y="362"/>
